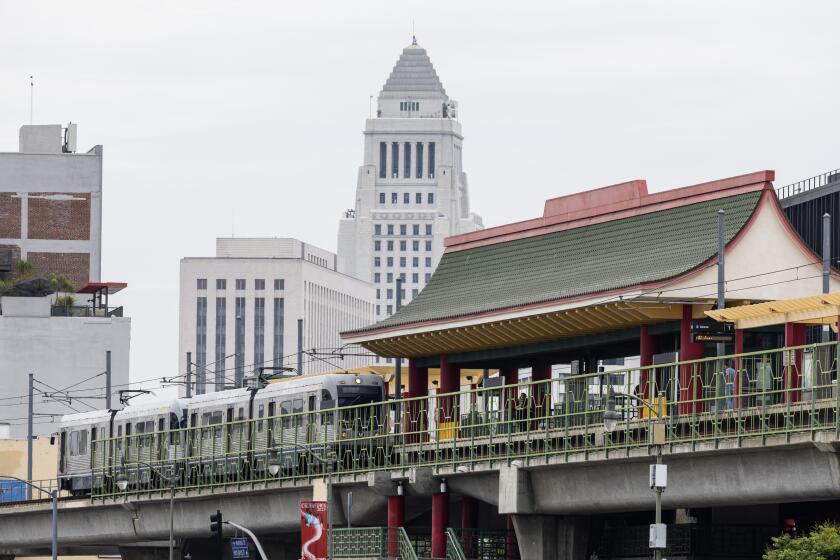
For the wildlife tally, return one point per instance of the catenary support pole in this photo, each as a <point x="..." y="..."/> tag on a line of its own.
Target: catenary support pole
<point x="54" y="496"/>
<point x="721" y="270"/>
<point x="826" y="275"/>
<point x="189" y="374"/>
<point x="107" y="380"/>
<point x="300" y="348"/>
<point x="29" y="438"/>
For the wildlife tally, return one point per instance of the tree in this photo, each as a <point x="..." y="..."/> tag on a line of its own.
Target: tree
<point x="822" y="543"/>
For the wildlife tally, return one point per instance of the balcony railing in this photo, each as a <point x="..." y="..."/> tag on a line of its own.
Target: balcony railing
<point x="808" y="184"/>
<point x="85" y="311"/>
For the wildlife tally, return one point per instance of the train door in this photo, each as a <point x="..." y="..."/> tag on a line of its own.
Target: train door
<point x="311" y="422"/>
<point x="191" y="434"/>
<point x="229" y="429"/>
<point x="62" y="453"/>
<point x="128" y="441"/>
<point x="93" y="444"/>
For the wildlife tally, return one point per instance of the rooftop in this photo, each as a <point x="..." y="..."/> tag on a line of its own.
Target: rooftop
<point x="413" y="75"/>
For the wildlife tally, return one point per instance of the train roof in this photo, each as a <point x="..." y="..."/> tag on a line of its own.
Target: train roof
<point x="90" y="417"/>
<point x="141" y="408"/>
<point x="304" y="380"/>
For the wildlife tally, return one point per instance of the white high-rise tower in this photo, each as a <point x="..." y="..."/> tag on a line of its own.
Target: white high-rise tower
<point x="412" y="190"/>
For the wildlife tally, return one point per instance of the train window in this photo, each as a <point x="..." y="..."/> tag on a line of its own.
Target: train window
<point x="161" y="427"/>
<point x="83" y="448"/>
<point x="139" y="428"/>
<point x="260" y="414"/>
<point x="326" y="395"/>
<point x="173" y="425"/>
<point x="119" y="431"/>
<point x="216" y="417"/>
<point x="74" y="443"/>
<point x="194" y="419"/>
<point x="241" y="414"/>
<point x="285" y="410"/>
<point x="205" y="419"/>
<point x="150" y="426"/>
<point x="297" y="408"/>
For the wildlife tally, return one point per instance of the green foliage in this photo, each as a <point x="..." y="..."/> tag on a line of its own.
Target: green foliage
<point x="822" y="543"/>
<point x="65" y="301"/>
<point x="24" y="270"/>
<point x="61" y="283"/>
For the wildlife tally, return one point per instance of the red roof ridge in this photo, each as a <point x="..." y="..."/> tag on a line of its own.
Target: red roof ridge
<point x="609" y="203"/>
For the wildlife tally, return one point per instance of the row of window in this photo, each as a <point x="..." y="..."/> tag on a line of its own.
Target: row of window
<point x="415" y="229"/>
<point x="389" y="244"/>
<point x="389" y="277"/>
<point x="407" y="167"/>
<point x="389" y="293"/>
<point x="389" y="262"/>
<point x="418" y="198"/>
<point x="241" y="284"/>
<point x="409" y="105"/>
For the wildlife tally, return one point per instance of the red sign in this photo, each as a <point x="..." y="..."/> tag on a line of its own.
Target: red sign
<point x="313" y="531"/>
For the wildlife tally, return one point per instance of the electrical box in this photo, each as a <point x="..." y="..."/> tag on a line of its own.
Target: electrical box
<point x="658" y="476"/>
<point x="657" y="537"/>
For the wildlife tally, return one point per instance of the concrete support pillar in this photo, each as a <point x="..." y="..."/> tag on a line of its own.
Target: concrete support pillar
<point x="646" y="391"/>
<point x="396" y="519"/>
<point x="547" y="536"/>
<point x="450" y="382"/>
<point x="440" y="521"/>
<point x="691" y="386"/>
<point x="469" y="522"/>
<point x="415" y="418"/>
<point x="794" y="336"/>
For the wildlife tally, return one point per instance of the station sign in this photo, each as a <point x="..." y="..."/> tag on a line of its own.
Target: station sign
<point x="710" y="331"/>
<point x="239" y="547"/>
<point x="313" y="530"/>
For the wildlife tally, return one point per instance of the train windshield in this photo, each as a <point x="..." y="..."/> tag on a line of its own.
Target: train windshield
<point x="349" y="395"/>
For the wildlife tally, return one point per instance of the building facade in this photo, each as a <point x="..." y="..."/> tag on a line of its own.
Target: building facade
<point x="412" y="189"/>
<point x="260" y="302"/>
<point x="51" y="205"/>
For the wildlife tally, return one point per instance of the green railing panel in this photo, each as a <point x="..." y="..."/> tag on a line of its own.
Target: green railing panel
<point x="359" y="542"/>
<point x="761" y="396"/>
<point x="453" y="546"/>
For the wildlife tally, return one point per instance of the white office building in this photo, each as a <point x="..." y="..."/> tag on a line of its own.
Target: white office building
<point x="258" y="302"/>
<point x="412" y="189"/>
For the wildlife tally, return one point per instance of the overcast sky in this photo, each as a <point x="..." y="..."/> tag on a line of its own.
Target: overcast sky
<point x="247" y="118"/>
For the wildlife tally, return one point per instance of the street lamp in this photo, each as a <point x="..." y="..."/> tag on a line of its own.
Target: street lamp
<point x="658" y="472"/>
<point x="54" y="499"/>
<point x="122" y="484"/>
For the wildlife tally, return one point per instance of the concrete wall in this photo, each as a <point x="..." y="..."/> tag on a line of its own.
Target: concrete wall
<point x="59" y="351"/>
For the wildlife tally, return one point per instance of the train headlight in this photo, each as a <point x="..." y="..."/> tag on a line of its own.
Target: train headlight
<point x="122" y="480"/>
<point x="358" y="380"/>
<point x="273" y="463"/>
<point x="344" y="434"/>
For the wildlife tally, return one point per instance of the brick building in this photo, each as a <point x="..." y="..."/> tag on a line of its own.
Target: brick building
<point x="51" y="204"/>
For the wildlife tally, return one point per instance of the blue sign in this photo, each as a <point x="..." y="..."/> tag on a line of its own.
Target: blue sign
<point x="239" y="547"/>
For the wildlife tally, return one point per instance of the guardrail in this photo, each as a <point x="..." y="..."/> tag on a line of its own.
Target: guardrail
<point x="453" y="546"/>
<point x="776" y="393"/>
<point x="808" y="184"/>
<point x="367" y="542"/>
<point x="14" y="491"/>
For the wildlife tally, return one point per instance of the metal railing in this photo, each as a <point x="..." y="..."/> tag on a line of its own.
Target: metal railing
<point x="484" y="544"/>
<point x="808" y="184"/>
<point x="367" y="542"/>
<point x="85" y="311"/>
<point x="782" y="393"/>
<point x="689" y="541"/>
<point x="453" y="546"/>
<point x="14" y="491"/>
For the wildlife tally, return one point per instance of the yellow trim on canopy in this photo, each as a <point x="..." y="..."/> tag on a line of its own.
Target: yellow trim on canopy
<point x="816" y="310"/>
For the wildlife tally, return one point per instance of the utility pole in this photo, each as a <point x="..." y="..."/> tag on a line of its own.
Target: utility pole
<point x="189" y="374"/>
<point x="826" y="275"/>
<point x="398" y="367"/>
<point x="721" y="270"/>
<point x="107" y="380"/>
<point x="29" y="438"/>
<point x="300" y="347"/>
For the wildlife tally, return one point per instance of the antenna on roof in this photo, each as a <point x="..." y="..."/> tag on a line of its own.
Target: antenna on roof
<point x="31" y="96"/>
<point x="413" y="36"/>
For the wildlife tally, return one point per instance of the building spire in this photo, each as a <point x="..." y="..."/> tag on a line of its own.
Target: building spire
<point x="413" y="36"/>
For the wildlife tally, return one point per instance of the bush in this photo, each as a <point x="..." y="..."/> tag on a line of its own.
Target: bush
<point x="822" y="543"/>
<point x="65" y="301"/>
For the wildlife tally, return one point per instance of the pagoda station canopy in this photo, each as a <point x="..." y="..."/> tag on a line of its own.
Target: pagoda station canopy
<point x="610" y="272"/>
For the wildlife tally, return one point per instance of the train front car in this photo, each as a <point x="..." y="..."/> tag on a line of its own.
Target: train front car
<point x="360" y="421"/>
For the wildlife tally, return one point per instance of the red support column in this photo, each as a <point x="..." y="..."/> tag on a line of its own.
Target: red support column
<point x="396" y="519"/>
<point x="450" y="382"/>
<point x="469" y="522"/>
<point x="794" y="336"/>
<point x="540" y="392"/>
<point x="739" y="349"/>
<point x="415" y="420"/>
<point x="440" y="521"/>
<point x="511" y="547"/>
<point x="691" y="386"/>
<point x="646" y="390"/>
<point x="510" y="374"/>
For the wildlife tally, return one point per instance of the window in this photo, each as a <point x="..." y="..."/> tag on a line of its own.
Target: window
<point x="377" y="261"/>
<point x="383" y="161"/>
<point x="406" y="198"/>
<point x="428" y="245"/>
<point x="376" y="278"/>
<point x="378" y="293"/>
<point x="403" y="229"/>
<point x="415" y="261"/>
<point x="378" y="310"/>
<point x="240" y="283"/>
<point x="418" y="198"/>
<point x="201" y="284"/>
<point x="415" y="229"/>
<point x="395" y="160"/>
<point x="414" y="292"/>
<point x="402" y="261"/>
<point x="419" y="160"/>
<point x="389" y="294"/>
<point x="393" y="198"/>
<point x="279" y="284"/>
<point x="390" y="229"/>
<point x="403" y="244"/>
<point x="429" y="262"/>
<point x="415" y="277"/>
<point x="221" y="284"/>
<point x="428" y="277"/>
<point x="407" y="160"/>
<point x="377" y="245"/>
<point x="259" y="331"/>
<point x="390" y="310"/>
<point x="377" y="229"/>
<point x="390" y="244"/>
<point x="428" y="229"/>
<point x="390" y="261"/>
<point x="239" y="341"/>
<point x="389" y="277"/>
<point x="415" y="245"/>
<point x="382" y="198"/>
<point x="221" y="337"/>
<point x="402" y="276"/>
<point x="431" y="160"/>
<point x="200" y="343"/>
<point x="431" y="198"/>
<point x="259" y="284"/>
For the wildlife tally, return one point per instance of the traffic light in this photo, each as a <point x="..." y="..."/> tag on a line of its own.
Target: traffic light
<point x="216" y="525"/>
